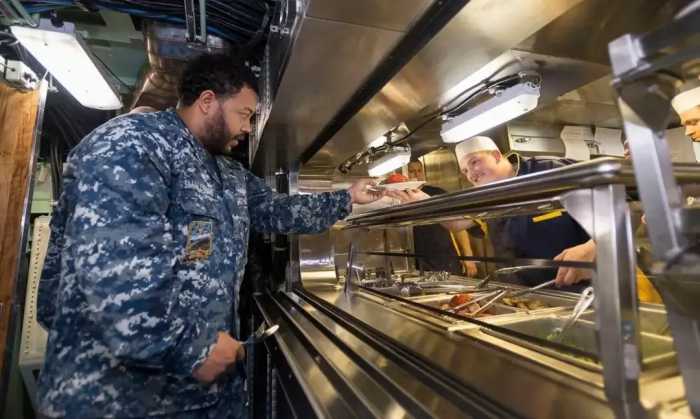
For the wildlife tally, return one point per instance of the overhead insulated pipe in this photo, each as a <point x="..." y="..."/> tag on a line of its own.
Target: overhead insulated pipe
<point x="168" y="51"/>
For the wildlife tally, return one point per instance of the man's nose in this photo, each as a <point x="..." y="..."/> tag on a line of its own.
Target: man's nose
<point x="689" y="129"/>
<point x="246" y="128"/>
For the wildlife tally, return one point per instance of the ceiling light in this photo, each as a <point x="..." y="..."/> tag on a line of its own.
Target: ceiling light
<point x="378" y="142"/>
<point x="504" y="106"/>
<point x="393" y="158"/>
<point x="64" y="54"/>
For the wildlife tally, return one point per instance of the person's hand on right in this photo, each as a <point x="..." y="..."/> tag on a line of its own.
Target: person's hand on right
<point x="409" y="195"/>
<point x="226" y="352"/>
<point x="470" y="268"/>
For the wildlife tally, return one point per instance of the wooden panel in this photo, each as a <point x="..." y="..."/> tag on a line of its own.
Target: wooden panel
<point x="18" y="112"/>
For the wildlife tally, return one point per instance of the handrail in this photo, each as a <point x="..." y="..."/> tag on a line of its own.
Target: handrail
<point x="535" y="192"/>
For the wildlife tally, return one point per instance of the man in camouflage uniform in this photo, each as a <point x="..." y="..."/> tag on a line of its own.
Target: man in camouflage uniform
<point x="147" y="253"/>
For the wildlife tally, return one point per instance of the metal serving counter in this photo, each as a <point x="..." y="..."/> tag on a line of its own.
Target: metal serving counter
<point x="392" y="345"/>
<point x="393" y="342"/>
<point x="394" y="360"/>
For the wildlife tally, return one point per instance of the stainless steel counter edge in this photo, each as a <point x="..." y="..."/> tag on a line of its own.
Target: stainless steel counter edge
<point x="483" y="367"/>
<point x="536" y="187"/>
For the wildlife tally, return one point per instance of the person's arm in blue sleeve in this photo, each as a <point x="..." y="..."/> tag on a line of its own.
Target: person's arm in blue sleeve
<point x="124" y="253"/>
<point x="51" y="271"/>
<point x="302" y="214"/>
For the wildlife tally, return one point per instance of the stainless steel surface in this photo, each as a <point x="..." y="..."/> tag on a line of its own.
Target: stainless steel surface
<point x="651" y="320"/>
<point x="495" y="368"/>
<point x="645" y="106"/>
<point x="652" y="162"/>
<point x="373" y="13"/>
<point x="377" y="383"/>
<point x="552" y="37"/>
<point x="616" y="298"/>
<point x="329" y="60"/>
<point x="532" y="192"/>
<point x="430" y="78"/>
<point x="168" y="53"/>
<point x="657" y="351"/>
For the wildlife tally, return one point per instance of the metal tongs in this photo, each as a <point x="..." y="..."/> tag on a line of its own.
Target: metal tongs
<point x="482" y="297"/>
<point x="587" y="297"/>
<point x="261" y="334"/>
<point x="499" y="294"/>
<point x="506" y="271"/>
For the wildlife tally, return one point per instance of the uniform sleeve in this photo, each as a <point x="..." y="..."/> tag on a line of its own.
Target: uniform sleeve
<point x="51" y="271"/>
<point x="279" y="213"/>
<point x="122" y="245"/>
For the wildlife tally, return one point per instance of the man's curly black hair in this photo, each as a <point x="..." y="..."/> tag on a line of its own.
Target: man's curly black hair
<point x="225" y="75"/>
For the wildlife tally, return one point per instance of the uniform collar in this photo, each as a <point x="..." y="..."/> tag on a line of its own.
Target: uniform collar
<point x="206" y="158"/>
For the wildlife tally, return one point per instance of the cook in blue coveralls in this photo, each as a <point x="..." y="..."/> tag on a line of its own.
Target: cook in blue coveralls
<point x="552" y="236"/>
<point x="147" y="253"/>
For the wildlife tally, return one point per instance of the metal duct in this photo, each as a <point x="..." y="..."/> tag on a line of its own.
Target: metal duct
<point x="168" y="51"/>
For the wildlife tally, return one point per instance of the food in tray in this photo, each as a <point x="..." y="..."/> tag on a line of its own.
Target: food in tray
<point x="399" y="182"/>
<point x="394" y="178"/>
<point x="460" y="300"/>
<point x="524" y="303"/>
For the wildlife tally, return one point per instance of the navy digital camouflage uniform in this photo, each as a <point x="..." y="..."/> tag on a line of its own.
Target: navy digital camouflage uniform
<point x="147" y="253"/>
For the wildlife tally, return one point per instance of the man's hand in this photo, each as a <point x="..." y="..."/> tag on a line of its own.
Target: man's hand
<point x="361" y="194"/>
<point x="470" y="268"/>
<point x="226" y="352"/>
<point x="409" y="195"/>
<point x="582" y="253"/>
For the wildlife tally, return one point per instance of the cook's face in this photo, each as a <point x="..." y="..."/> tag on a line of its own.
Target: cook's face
<point x="691" y="121"/>
<point x="483" y="167"/>
<point x="230" y="121"/>
<point x="415" y="171"/>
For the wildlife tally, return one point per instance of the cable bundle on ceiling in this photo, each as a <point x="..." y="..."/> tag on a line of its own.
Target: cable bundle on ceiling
<point x="242" y="22"/>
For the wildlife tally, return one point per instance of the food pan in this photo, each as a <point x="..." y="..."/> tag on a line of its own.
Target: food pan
<point x="656" y="350"/>
<point x="650" y="321"/>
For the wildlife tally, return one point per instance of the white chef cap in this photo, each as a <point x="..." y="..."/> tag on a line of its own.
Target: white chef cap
<point x="688" y="98"/>
<point x="474" y="144"/>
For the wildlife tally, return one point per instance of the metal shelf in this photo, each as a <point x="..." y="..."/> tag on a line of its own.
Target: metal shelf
<point x="527" y="194"/>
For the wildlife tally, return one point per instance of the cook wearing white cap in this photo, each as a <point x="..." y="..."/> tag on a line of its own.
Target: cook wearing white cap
<point x="551" y="236"/>
<point x="481" y="162"/>
<point x="687" y="105"/>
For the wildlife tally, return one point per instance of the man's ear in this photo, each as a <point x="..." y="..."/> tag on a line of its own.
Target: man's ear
<point x="205" y="101"/>
<point x="496" y="155"/>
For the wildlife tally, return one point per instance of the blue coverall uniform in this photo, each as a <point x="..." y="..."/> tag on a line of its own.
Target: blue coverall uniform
<point x="147" y="253"/>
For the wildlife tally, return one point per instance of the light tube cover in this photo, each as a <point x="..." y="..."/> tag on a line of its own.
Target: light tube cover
<point x="503" y="107"/>
<point x="392" y="159"/>
<point x="66" y="57"/>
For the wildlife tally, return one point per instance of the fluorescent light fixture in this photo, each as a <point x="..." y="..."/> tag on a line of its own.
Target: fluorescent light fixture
<point x="378" y="142"/>
<point x="393" y="158"/>
<point x="503" y="107"/>
<point x="66" y="57"/>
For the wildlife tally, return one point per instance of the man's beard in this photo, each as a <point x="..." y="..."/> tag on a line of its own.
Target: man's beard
<point x="217" y="136"/>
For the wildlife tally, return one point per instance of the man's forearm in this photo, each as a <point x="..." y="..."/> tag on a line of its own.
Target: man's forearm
<point x="458" y="225"/>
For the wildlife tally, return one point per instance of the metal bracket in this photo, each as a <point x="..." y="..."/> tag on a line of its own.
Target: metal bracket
<point x="350" y="287"/>
<point x="194" y="35"/>
<point x="645" y="107"/>
<point x="603" y="212"/>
